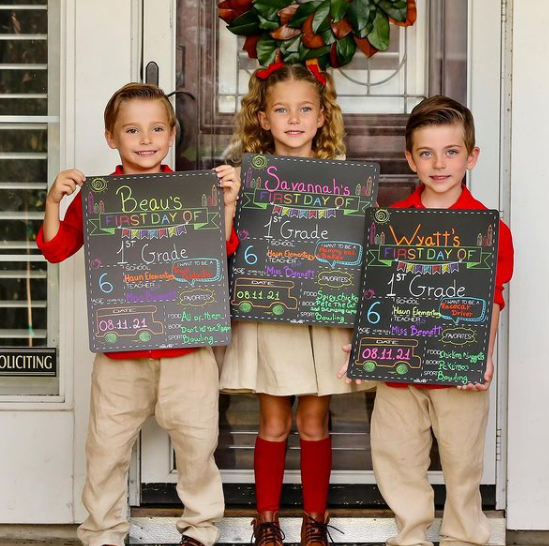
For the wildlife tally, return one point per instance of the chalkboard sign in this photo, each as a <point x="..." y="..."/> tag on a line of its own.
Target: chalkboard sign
<point x="426" y="297"/>
<point x="301" y="225"/>
<point x="156" y="261"/>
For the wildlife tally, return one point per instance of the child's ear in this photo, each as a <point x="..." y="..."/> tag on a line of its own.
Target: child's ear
<point x="472" y="158"/>
<point x="110" y="140"/>
<point x="321" y="118"/>
<point x="263" y="121"/>
<point x="172" y="137"/>
<point x="411" y="161"/>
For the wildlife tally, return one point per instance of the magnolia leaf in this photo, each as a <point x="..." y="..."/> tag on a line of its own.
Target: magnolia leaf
<point x="341" y="28"/>
<point x="321" y="16"/>
<point x="287" y="14"/>
<point x="359" y="13"/>
<point x="303" y="12"/>
<point x="229" y="10"/>
<point x="250" y="45"/>
<point x="329" y="37"/>
<point x="346" y="48"/>
<point x="391" y="9"/>
<point x="266" y="24"/>
<point x="379" y="37"/>
<point x="365" y="46"/>
<point x="245" y="25"/>
<point x="305" y="53"/>
<point x="365" y="31"/>
<point x="228" y="15"/>
<point x="290" y="46"/>
<point x="334" y="61"/>
<point x="270" y="8"/>
<point x="292" y="58"/>
<point x="338" y="9"/>
<point x="266" y="50"/>
<point x="411" y="15"/>
<point x="290" y="50"/>
<point x="310" y="39"/>
<point x="241" y="5"/>
<point x="285" y="33"/>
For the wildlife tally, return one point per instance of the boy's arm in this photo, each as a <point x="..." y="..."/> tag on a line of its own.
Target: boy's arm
<point x="489" y="373"/>
<point x="65" y="183"/>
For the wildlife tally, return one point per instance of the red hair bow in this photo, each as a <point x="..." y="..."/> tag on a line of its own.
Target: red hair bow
<point x="314" y="69"/>
<point x="266" y="72"/>
<point x="312" y="66"/>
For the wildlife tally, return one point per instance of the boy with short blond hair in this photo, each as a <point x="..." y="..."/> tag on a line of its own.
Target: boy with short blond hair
<point x="178" y="386"/>
<point x="440" y="148"/>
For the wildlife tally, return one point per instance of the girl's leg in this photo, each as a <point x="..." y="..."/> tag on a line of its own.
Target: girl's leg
<point x="269" y="459"/>
<point x="270" y="450"/>
<point x="316" y="466"/>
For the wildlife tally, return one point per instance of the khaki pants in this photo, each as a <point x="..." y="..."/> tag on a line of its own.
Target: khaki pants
<point x="182" y="393"/>
<point x="401" y="440"/>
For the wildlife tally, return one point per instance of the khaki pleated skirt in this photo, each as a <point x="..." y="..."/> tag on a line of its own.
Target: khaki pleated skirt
<point x="285" y="360"/>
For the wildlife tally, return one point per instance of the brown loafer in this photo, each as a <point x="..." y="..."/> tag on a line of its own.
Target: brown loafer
<point x="267" y="531"/>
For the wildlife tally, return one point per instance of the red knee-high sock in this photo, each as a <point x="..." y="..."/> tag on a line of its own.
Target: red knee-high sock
<point x="316" y="466"/>
<point x="269" y="461"/>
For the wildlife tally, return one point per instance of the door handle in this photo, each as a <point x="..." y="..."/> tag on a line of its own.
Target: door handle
<point x="151" y="73"/>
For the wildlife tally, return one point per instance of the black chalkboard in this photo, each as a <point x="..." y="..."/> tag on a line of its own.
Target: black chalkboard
<point x="300" y="222"/>
<point x="156" y="261"/>
<point x="426" y="296"/>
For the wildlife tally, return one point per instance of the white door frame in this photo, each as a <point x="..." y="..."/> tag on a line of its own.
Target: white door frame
<point x="485" y="48"/>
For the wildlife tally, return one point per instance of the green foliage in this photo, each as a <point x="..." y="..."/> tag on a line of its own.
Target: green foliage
<point x="379" y="37"/>
<point x="266" y="50"/>
<point x="321" y="22"/>
<point x="303" y="12"/>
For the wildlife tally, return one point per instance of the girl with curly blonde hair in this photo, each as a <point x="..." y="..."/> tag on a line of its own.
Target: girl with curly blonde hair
<point x="289" y="111"/>
<point x="251" y="136"/>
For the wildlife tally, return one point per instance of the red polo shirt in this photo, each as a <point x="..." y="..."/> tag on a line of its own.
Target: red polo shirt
<point x="69" y="240"/>
<point x="504" y="268"/>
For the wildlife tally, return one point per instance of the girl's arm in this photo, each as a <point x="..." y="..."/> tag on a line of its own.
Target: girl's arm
<point x="229" y="180"/>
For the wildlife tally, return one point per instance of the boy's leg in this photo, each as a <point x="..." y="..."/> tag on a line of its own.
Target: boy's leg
<point x="401" y="440"/>
<point x="460" y="427"/>
<point x="187" y="408"/>
<point x="122" y="398"/>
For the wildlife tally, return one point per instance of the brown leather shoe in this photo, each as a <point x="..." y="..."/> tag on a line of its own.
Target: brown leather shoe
<point x="314" y="529"/>
<point x="190" y="541"/>
<point x="267" y="531"/>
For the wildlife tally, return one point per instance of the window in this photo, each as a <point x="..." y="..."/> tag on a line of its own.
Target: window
<point x="29" y="127"/>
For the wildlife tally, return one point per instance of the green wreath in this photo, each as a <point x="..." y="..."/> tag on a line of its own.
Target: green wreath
<point x="329" y="31"/>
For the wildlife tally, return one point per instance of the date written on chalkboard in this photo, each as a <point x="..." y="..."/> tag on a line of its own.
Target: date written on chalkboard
<point x="426" y="296"/>
<point x="300" y="222"/>
<point x="157" y="273"/>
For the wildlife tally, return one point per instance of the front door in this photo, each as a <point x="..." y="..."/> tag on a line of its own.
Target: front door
<point x="187" y="50"/>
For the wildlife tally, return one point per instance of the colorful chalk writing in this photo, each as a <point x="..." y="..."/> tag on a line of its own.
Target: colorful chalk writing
<point x="157" y="265"/>
<point x="426" y="296"/>
<point x="300" y="222"/>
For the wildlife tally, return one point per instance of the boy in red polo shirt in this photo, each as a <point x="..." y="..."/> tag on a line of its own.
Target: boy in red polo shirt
<point x="440" y="148"/>
<point x="178" y="386"/>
